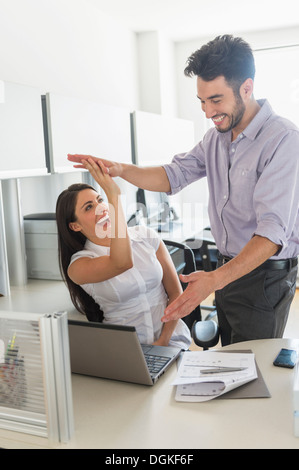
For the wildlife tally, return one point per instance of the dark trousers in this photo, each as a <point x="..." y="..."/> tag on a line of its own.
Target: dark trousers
<point x="256" y="306"/>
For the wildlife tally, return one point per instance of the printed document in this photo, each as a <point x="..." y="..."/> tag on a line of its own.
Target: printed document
<point x="204" y="375"/>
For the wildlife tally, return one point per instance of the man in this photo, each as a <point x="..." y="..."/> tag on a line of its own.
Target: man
<point x="251" y="163"/>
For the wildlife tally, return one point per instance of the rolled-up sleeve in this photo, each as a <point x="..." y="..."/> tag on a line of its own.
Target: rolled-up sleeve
<point x="186" y="168"/>
<point x="276" y="196"/>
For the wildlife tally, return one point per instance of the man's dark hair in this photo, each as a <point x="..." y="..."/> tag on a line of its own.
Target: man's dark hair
<point x="224" y="56"/>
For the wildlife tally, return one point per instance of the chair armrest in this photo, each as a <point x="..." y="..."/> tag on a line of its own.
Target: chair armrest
<point x="205" y="333"/>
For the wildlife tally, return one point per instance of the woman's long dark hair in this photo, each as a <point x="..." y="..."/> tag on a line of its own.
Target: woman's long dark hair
<point x="69" y="242"/>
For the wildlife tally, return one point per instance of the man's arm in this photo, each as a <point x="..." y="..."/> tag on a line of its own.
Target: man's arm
<point x="151" y="178"/>
<point x="201" y="284"/>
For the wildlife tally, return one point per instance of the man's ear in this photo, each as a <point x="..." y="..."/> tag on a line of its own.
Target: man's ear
<point x="75" y="226"/>
<point x="246" y="89"/>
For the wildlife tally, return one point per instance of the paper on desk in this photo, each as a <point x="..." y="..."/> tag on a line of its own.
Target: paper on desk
<point x="194" y="387"/>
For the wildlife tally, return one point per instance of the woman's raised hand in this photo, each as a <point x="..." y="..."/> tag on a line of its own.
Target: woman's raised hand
<point x="113" y="168"/>
<point x="100" y="174"/>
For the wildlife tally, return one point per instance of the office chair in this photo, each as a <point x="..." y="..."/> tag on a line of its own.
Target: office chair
<point x="205" y="333"/>
<point x="206" y="255"/>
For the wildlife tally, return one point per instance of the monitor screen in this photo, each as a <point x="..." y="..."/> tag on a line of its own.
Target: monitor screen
<point x="154" y="207"/>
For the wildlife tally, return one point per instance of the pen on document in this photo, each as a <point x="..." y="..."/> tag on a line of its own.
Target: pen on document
<point x="222" y="369"/>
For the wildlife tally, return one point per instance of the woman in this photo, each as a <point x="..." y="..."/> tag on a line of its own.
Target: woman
<point x="116" y="274"/>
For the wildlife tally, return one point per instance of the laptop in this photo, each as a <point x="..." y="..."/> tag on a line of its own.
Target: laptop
<point x="114" y="352"/>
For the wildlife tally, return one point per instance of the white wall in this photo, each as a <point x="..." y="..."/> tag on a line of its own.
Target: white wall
<point x="68" y="47"/>
<point x="156" y="71"/>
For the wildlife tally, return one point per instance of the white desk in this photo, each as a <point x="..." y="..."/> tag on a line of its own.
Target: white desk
<point x="115" y="415"/>
<point x="40" y="296"/>
<point x="187" y="228"/>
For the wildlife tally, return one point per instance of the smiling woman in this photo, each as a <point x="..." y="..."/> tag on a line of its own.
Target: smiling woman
<point x="115" y="274"/>
<point x="92" y="215"/>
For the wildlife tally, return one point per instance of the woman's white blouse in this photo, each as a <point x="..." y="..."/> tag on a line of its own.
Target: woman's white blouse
<point x="136" y="297"/>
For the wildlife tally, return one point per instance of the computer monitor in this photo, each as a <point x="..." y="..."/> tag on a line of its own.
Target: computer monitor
<point x="155" y="209"/>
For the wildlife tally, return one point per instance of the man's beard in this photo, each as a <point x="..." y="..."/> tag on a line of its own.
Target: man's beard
<point x="236" y="116"/>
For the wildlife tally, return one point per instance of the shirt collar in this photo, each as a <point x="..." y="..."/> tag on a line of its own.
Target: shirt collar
<point x="133" y="234"/>
<point x="255" y="125"/>
<point x="259" y="119"/>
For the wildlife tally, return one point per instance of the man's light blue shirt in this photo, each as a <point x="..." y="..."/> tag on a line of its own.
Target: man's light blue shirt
<point x="253" y="182"/>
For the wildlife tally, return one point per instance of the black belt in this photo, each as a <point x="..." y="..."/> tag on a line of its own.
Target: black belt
<point x="269" y="264"/>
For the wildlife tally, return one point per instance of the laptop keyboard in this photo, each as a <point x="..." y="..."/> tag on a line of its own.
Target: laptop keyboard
<point x="155" y="363"/>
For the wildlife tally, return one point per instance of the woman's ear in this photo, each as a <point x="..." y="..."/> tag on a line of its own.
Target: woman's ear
<point x="75" y="226"/>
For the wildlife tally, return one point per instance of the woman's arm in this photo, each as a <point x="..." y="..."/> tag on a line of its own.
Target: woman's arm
<point x="152" y="178"/>
<point x="172" y="287"/>
<point x="90" y="270"/>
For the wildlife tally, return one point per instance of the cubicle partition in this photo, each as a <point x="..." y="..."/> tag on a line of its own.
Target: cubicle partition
<point x="22" y="148"/>
<point x="157" y="138"/>
<point x="4" y="275"/>
<point x="155" y="141"/>
<point x="35" y="376"/>
<point x="85" y="127"/>
<point x="22" y="153"/>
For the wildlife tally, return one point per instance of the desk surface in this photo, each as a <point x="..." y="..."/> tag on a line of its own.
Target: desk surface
<point x="116" y="415"/>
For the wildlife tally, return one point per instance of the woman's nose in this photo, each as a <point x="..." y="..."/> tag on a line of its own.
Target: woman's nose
<point x="101" y="208"/>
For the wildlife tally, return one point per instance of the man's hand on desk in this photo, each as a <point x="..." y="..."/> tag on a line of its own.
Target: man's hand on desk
<point x="200" y="285"/>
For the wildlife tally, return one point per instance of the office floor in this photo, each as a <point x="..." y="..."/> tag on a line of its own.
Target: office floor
<point x="292" y="327"/>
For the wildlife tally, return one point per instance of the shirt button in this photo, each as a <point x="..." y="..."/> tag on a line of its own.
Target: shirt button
<point x="233" y="150"/>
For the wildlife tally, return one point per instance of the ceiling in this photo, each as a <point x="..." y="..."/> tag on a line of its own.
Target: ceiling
<point x="187" y="19"/>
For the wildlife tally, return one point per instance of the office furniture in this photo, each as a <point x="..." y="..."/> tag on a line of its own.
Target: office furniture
<point x="206" y="259"/>
<point x="14" y="231"/>
<point x="204" y="333"/>
<point x="155" y="209"/>
<point x="22" y="140"/>
<point x="22" y="154"/>
<point x="157" y="138"/>
<point x="206" y="254"/>
<point x="35" y="375"/>
<point x="41" y="243"/>
<point x="4" y="272"/>
<point x="80" y="126"/>
<point x="116" y="415"/>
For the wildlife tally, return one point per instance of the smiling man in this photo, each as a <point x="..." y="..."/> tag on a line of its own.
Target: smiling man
<point x="227" y="110"/>
<point x="251" y="161"/>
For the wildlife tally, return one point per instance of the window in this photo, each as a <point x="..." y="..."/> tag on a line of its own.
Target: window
<point x="277" y="79"/>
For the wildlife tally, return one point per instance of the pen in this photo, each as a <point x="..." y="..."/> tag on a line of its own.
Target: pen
<point x="222" y="369"/>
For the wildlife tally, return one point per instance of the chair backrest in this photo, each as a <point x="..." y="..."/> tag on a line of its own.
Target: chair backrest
<point x="184" y="261"/>
<point x="206" y="254"/>
<point x="188" y="255"/>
